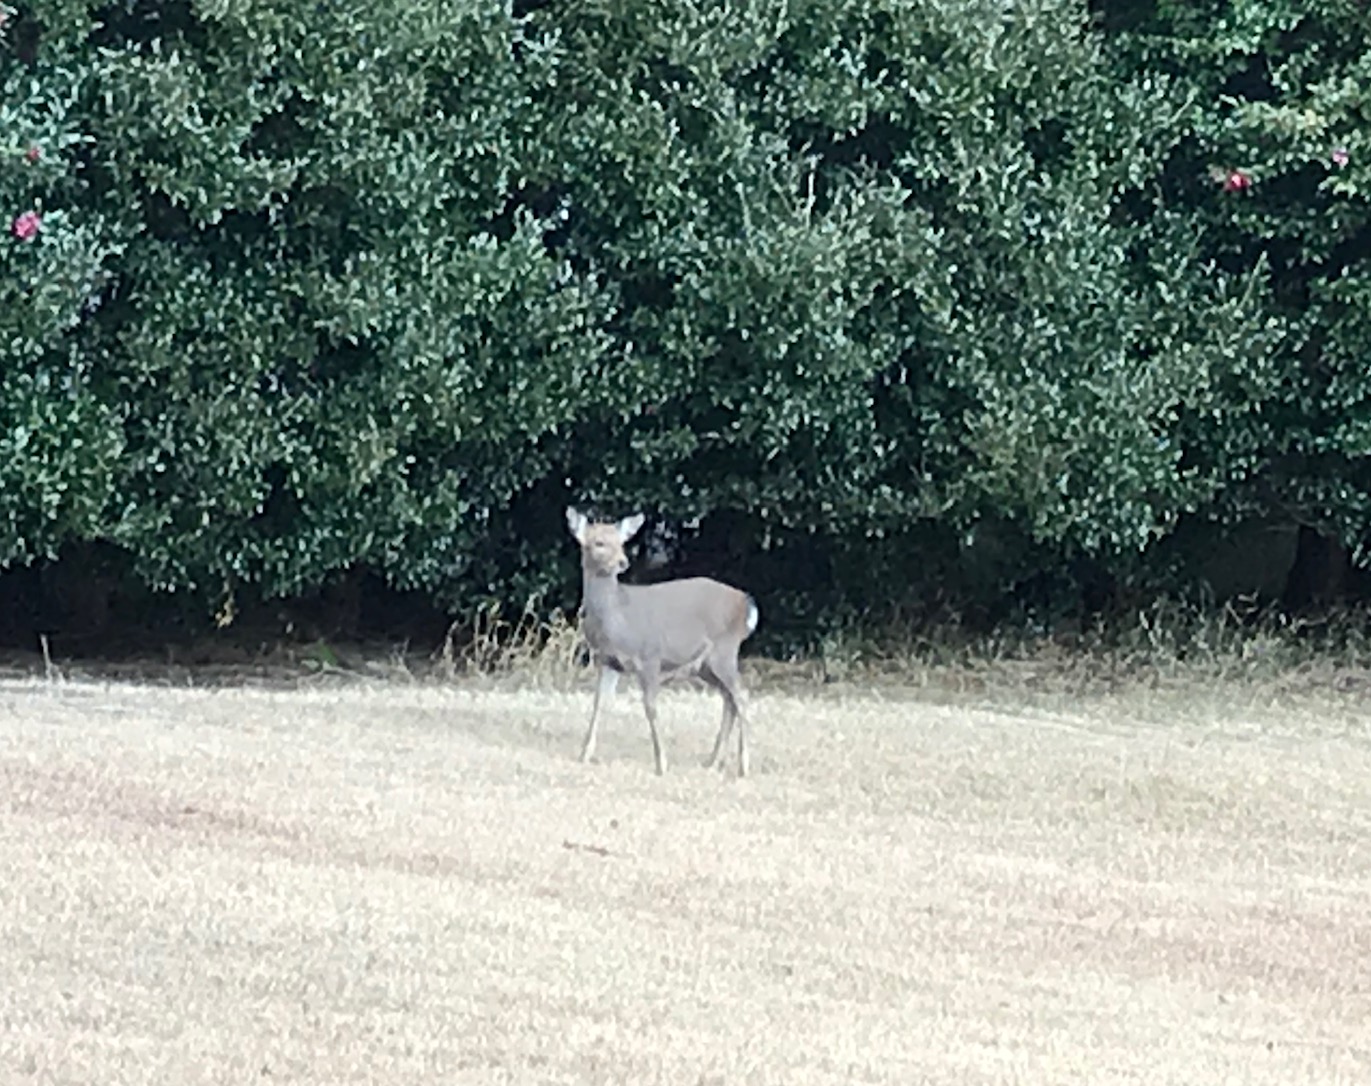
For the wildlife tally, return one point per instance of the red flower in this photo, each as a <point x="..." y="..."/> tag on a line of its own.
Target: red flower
<point x="1340" y="156"/>
<point x="33" y="154"/>
<point x="1236" y="181"/>
<point x="26" y="225"/>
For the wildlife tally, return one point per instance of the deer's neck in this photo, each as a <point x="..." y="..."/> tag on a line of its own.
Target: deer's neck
<point x="602" y="600"/>
<point x="601" y="592"/>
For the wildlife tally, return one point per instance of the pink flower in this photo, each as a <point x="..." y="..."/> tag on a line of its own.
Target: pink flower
<point x="1340" y="156"/>
<point x="1236" y="181"/>
<point x="26" y="225"/>
<point x="33" y="154"/>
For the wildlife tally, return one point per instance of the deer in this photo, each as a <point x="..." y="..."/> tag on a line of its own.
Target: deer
<point x="658" y="633"/>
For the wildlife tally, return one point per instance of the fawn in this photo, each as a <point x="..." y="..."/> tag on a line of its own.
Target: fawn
<point x="659" y="632"/>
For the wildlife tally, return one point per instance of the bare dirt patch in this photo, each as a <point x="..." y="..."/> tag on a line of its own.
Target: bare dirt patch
<point x="399" y="883"/>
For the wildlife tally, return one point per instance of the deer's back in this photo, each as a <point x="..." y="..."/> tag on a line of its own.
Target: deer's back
<point x="673" y="619"/>
<point x="709" y="604"/>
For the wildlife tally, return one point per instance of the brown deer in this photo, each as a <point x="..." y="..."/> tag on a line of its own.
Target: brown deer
<point x="659" y="632"/>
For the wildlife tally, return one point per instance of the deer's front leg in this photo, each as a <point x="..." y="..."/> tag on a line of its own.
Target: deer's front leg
<point x="609" y="681"/>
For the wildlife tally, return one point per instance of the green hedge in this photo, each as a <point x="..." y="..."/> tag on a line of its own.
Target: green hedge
<point x="860" y="285"/>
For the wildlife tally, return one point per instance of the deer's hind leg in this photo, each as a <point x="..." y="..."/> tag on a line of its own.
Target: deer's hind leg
<point x="725" y="725"/>
<point x="722" y="674"/>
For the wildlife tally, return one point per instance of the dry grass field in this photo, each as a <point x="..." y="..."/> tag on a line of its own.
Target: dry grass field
<point x="413" y="883"/>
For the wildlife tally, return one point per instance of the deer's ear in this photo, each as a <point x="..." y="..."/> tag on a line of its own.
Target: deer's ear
<point x="628" y="527"/>
<point x="576" y="523"/>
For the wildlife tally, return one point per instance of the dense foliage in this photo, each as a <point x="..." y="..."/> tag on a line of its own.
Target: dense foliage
<point x="1281" y="120"/>
<point x="862" y="292"/>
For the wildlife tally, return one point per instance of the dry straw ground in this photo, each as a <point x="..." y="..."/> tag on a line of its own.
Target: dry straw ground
<point x="417" y="883"/>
